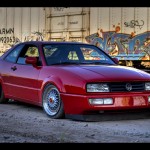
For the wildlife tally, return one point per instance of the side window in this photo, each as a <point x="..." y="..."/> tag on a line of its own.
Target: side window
<point x="91" y="54"/>
<point x="29" y="51"/>
<point x="32" y="52"/>
<point x="12" y="57"/>
<point x="86" y="53"/>
<point x="49" y="50"/>
<point x="73" y="55"/>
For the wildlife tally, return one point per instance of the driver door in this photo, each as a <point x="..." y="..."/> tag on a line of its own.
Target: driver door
<point x="24" y="77"/>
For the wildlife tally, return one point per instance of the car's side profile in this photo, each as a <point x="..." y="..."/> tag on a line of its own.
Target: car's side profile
<point x="71" y="79"/>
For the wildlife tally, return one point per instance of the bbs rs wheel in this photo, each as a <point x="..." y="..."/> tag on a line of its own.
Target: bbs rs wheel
<point x="52" y="103"/>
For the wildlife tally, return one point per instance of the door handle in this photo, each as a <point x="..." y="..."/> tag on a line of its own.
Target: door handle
<point x="14" y="68"/>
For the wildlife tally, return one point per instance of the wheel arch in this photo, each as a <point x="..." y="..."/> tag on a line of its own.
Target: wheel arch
<point x="54" y="109"/>
<point x="57" y="82"/>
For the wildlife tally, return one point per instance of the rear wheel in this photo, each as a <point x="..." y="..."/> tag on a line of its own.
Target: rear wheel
<point x="52" y="103"/>
<point x="2" y="98"/>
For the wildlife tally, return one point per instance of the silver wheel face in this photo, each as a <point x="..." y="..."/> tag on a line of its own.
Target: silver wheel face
<point x="51" y="101"/>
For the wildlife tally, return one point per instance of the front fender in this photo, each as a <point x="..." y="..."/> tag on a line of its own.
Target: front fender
<point x="52" y="80"/>
<point x="55" y="81"/>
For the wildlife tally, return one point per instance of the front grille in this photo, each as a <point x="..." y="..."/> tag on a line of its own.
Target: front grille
<point x="121" y="86"/>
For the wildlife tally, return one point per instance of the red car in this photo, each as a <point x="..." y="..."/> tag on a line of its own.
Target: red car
<point x="70" y="79"/>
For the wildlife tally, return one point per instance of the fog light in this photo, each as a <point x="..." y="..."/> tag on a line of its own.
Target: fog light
<point x="108" y="101"/>
<point x="97" y="101"/>
<point x="149" y="99"/>
<point x="101" y="101"/>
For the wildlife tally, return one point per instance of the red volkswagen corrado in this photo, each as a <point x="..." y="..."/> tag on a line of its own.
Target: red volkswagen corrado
<point x="71" y="79"/>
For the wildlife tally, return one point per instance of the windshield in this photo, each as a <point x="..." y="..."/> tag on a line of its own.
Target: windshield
<point x="56" y="54"/>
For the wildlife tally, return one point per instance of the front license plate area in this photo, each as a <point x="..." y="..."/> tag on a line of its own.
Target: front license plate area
<point x="130" y="101"/>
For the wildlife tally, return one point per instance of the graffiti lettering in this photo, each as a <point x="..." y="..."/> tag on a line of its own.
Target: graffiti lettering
<point x="7" y="31"/>
<point x="123" y="46"/>
<point x="134" y="23"/>
<point x="35" y="36"/>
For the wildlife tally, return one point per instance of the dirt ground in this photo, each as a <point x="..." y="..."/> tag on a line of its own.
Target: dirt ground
<point x="22" y="123"/>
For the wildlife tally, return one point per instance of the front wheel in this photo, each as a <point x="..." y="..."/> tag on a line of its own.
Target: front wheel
<point x="52" y="103"/>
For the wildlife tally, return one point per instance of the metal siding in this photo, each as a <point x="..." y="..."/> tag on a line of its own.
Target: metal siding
<point x="76" y="36"/>
<point x="66" y="10"/>
<point x="41" y="19"/>
<point x="74" y="9"/>
<point x="75" y="22"/>
<point x="9" y="29"/>
<point x="57" y="35"/>
<point x="148" y="20"/>
<point x="103" y="19"/>
<point x="67" y="23"/>
<point x="93" y="20"/>
<point x="2" y="17"/>
<point x="58" y="11"/>
<point x="57" y="24"/>
<point x="140" y="20"/>
<point x="115" y="18"/>
<point x="3" y="28"/>
<point x="34" y="19"/>
<point x="127" y="17"/>
<point x="10" y="18"/>
<point x="26" y="23"/>
<point x="18" y="23"/>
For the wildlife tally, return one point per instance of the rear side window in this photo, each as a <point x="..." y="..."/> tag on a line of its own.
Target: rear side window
<point x="12" y="57"/>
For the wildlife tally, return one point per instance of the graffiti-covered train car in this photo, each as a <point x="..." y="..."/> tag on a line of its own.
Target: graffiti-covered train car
<point x="19" y="24"/>
<point x="123" y="33"/>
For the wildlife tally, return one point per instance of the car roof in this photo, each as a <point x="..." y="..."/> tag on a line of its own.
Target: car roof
<point x="53" y="42"/>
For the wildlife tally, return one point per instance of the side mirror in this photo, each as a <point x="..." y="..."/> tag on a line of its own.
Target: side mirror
<point x="31" y="60"/>
<point x="116" y="60"/>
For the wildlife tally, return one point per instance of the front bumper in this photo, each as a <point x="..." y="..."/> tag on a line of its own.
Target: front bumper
<point x="79" y="104"/>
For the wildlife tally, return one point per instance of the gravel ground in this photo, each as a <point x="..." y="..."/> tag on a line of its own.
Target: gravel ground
<point x="23" y="123"/>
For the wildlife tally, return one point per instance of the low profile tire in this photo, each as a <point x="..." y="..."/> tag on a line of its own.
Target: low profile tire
<point x="52" y="103"/>
<point x="2" y="98"/>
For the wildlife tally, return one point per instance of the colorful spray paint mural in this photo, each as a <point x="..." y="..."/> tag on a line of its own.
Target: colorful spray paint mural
<point x="123" y="46"/>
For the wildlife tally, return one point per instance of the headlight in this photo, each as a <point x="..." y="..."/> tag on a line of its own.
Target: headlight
<point x="147" y="86"/>
<point x="101" y="87"/>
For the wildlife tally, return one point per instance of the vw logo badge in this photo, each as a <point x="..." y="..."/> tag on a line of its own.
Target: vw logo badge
<point x="128" y="87"/>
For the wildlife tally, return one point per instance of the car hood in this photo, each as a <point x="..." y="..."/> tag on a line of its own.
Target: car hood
<point x="107" y="73"/>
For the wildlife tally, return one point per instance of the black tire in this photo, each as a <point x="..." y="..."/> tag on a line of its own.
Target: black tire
<point x="52" y="103"/>
<point x="2" y="98"/>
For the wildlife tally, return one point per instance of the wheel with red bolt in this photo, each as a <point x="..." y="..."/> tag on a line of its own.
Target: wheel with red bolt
<point x="52" y="103"/>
